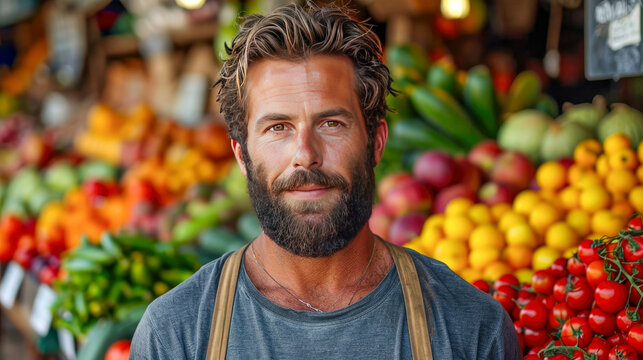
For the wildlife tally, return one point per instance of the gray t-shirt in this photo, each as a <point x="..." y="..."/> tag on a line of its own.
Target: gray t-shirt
<point x="464" y="323"/>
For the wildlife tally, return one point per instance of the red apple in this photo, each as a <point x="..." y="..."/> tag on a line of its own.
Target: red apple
<point x="390" y="181"/>
<point x="411" y="196"/>
<point x="470" y="175"/>
<point x="452" y="192"/>
<point x="406" y="228"/>
<point x="514" y="169"/>
<point x="380" y="221"/>
<point x="484" y="155"/>
<point x="492" y="193"/>
<point x="436" y="168"/>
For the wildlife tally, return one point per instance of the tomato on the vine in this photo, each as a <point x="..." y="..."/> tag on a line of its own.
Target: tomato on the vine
<point x="622" y="352"/>
<point x="596" y="273"/>
<point x="576" y="331"/>
<point x="536" y="337"/>
<point x="611" y="296"/>
<point x="560" y="289"/>
<point x="627" y="317"/>
<point x="635" y="223"/>
<point x="560" y="313"/>
<point x="534" y="315"/>
<point x="543" y="282"/>
<point x="575" y="266"/>
<point x="635" y="338"/>
<point x="616" y="339"/>
<point x="632" y="248"/>
<point x="599" y="347"/>
<point x="507" y="280"/>
<point x="635" y="296"/>
<point x="579" y="295"/>
<point x="505" y="294"/>
<point x="558" y="268"/>
<point x="482" y="285"/>
<point x="586" y="252"/>
<point x="601" y="322"/>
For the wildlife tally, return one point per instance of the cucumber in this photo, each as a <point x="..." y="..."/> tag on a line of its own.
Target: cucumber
<point x="407" y="60"/>
<point x="80" y="265"/>
<point x="442" y="75"/>
<point x="443" y="112"/>
<point x="92" y="253"/>
<point x="415" y="134"/>
<point x="480" y="98"/>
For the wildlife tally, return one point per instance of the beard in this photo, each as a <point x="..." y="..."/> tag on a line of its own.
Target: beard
<point x="313" y="228"/>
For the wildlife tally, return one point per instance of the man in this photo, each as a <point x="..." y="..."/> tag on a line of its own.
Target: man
<point x="303" y="94"/>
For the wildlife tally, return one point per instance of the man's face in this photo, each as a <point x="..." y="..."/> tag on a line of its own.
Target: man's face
<point x="307" y="159"/>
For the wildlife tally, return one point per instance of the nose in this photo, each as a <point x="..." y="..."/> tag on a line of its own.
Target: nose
<point x="308" y="152"/>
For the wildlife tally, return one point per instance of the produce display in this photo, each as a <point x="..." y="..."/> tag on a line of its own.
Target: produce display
<point x="584" y="307"/>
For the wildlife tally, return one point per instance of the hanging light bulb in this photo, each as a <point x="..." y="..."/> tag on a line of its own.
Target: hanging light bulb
<point x="454" y="9"/>
<point x="190" y="4"/>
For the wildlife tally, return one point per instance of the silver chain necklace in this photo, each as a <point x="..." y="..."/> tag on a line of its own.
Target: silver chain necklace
<point x="254" y="256"/>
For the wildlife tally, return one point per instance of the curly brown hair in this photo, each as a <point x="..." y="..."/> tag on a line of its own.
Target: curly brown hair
<point x="293" y="32"/>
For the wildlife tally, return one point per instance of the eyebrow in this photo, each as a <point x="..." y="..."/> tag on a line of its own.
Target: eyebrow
<point x="339" y="111"/>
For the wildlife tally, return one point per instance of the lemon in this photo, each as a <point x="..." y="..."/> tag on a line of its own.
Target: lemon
<point x="620" y="181"/>
<point x="580" y="221"/>
<point x="570" y="198"/>
<point x="604" y="222"/>
<point x="495" y="270"/>
<point x="616" y="141"/>
<point x="518" y="256"/>
<point x="481" y="258"/>
<point x="458" y="206"/>
<point x="575" y="173"/>
<point x="602" y="166"/>
<point x="636" y="198"/>
<point x="509" y="219"/>
<point x="543" y="257"/>
<point x="561" y="236"/>
<point x="486" y="236"/>
<point x="551" y="175"/>
<point x="452" y="253"/>
<point x="470" y="275"/>
<point x="524" y="275"/>
<point x="623" y="159"/>
<point x="542" y="216"/>
<point x="588" y="180"/>
<point x="480" y="214"/>
<point x="499" y="209"/>
<point x="430" y="237"/>
<point x="435" y="220"/>
<point x="525" y="201"/>
<point x="458" y="227"/>
<point x="594" y="198"/>
<point x="521" y="234"/>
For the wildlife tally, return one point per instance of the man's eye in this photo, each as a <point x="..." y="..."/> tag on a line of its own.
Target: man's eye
<point x="278" y="127"/>
<point x="333" y="123"/>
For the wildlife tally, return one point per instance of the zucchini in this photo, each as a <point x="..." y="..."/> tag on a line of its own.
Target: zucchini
<point x="415" y="134"/>
<point x="480" y="98"/>
<point x="442" y="75"/>
<point x="444" y="113"/>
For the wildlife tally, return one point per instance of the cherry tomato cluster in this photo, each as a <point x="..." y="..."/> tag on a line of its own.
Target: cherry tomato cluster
<point x="584" y="307"/>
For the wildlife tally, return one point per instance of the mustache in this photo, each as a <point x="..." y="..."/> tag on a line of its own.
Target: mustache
<point x="314" y="176"/>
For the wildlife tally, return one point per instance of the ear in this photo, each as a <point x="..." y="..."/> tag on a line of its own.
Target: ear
<point x="238" y="154"/>
<point x="381" y="135"/>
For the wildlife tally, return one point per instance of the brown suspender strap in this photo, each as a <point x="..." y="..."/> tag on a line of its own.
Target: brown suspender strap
<point x="222" y="313"/>
<point x="414" y="303"/>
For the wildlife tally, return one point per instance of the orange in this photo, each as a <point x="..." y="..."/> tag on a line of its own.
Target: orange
<point x="576" y="172"/>
<point x="495" y="270"/>
<point x="509" y="219"/>
<point x="481" y="258"/>
<point x="543" y="257"/>
<point x="604" y="222"/>
<point x="458" y="227"/>
<point x="458" y="206"/>
<point x="594" y="198"/>
<point x="470" y="275"/>
<point x="521" y="234"/>
<point x="551" y="175"/>
<point x="616" y="141"/>
<point x="580" y="221"/>
<point x="498" y="210"/>
<point x="525" y="201"/>
<point x="586" y="153"/>
<point x="636" y="198"/>
<point x="602" y="166"/>
<point x="452" y="253"/>
<point x="551" y="197"/>
<point x="620" y="181"/>
<point x="622" y="208"/>
<point x="570" y="198"/>
<point x="429" y="237"/>
<point x="561" y="236"/>
<point x="435" y="220"/>
<point x="524" y="275"/>
<point x="623" y="159"/>
<point x="587" y="180"/>
<point x="518" y="256"/>
<point x="486" y="236"/>
<point x="480" y="214"/>
<point x="542" y="216"/>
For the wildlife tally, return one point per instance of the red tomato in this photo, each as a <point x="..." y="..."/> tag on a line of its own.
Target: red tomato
<point x="505" y="295"/>
<point x="599" y="347"/>
<point x="560" y="289"/>
<point x="482" y="285"/>
<point x="548" y="301"/>
<point x="536" y="337"/>
<point x="559" y="268"/>
<point x="635" y="338"/>
<point x="602" y="322"/>
<point x="635" y="224"/>
<point x="626" y="318"/>
<point x="632" y="248"/>
<point x="586" y="252"/>
<point x="560" y="313"/>
<point x="616" y="339"/>
<point x="575" y="266"/>
<point x="580" y="295"/>
<point x="634" y="269"/>
<point x="534" y="315"/>
<point x="596" y="273"/>
<point x="635" y="296"/>
<point x="118" y="350"/>
<point x="611" y="296"/>
<point x="543" y="282"/>
<point x="576" y="331"/>
<point x="623" y="352"/>
<point x="507" y="280"/>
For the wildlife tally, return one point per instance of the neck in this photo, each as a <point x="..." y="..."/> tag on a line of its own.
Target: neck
<point x="323" y="281"/>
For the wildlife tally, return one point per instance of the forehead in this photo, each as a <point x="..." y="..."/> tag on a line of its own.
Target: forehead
<point x="318" y="78"/>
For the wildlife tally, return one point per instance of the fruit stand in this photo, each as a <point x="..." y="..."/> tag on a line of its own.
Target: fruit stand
<point x="117" y="181"/>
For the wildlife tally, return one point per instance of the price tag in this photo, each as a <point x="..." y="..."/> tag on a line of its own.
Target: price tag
<point x="41" y="313"/>
<point x="67" y="344"/>
<point x="626" y="30"/>
<point x="11" y="282"/>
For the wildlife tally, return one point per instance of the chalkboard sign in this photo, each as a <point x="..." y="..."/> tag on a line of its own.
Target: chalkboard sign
<point x="613" y="39"/>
